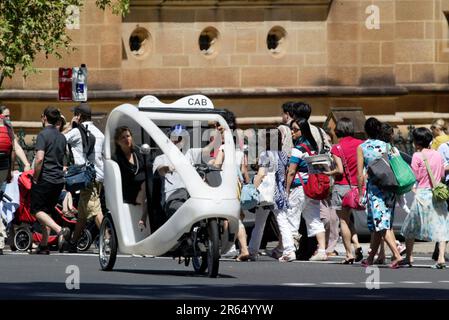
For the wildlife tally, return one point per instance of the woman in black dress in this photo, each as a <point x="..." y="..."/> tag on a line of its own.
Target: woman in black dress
<point x="132" y="170"/>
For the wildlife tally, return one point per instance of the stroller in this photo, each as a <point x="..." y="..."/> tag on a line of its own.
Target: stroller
<point x="24" y="228"/>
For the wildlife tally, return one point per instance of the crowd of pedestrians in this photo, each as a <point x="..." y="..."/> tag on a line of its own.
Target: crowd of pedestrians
<point x="285" y="159"/>
<point x="288" y="160"/>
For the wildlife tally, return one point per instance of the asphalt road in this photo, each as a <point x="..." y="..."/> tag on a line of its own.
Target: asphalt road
<point x="25" y="276"/>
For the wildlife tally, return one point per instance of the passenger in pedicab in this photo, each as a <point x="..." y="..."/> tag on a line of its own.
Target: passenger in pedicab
<point x="132" y="170"/>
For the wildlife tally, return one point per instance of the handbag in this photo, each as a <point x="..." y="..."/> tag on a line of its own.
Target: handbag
<point x="439" y="190"/>
<point x="267" y="188"/>
<point x="249" y="197"/>
<point x="351" y="199"/>
<point x="381" y="174"/>
<point x="404" y="175"/>
<point x="79" y="177"/>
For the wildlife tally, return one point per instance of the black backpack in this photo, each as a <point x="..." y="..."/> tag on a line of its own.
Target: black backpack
<point x="87" y="139"/>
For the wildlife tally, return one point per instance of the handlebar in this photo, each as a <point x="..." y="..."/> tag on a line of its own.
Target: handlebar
<point x="205" y="168"/>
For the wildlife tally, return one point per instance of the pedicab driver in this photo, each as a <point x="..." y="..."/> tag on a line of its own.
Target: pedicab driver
<point x="174" y="188"/>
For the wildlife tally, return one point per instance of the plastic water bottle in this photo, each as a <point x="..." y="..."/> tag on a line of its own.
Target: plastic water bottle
<point x="79" y="90"/>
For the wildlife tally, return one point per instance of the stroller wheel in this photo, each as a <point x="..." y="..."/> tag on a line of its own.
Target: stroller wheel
<point x="23" y="239"/>
<point x="85" y="241"/>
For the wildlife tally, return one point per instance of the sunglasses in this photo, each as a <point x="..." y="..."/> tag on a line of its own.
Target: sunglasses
<point x="295" y="129"/>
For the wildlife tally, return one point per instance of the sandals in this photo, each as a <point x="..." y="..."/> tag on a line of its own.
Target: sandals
<point x="405" y="263"/>
<point x="41" y="250"/>
<point x="63" y="236"/>
<point x="358" y="254"/>
<point x="348" y="261"/>
<point x="439" y="266"/>
<point x="244" y="257"/>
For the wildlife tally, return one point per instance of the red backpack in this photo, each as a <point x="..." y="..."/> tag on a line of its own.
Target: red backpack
<point x="5" y="140"/>
<point x="318" y="186"/>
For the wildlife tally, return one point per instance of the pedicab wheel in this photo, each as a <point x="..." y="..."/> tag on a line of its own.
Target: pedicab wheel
<point x="23" y="239"/>
<point x="108" y="245"/>
<point x="213" y="249"/>
<point x="85" y="241"/>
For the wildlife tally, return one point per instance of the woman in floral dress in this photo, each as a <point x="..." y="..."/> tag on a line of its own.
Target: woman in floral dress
<point x="380" y="203"/>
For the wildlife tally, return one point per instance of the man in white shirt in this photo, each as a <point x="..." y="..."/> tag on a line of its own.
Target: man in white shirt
<point x="89" y="204"/>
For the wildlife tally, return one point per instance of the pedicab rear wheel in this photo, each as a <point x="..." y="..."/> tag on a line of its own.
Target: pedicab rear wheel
<point x="108" y="245"/>
<point x="213" y="249"/>
<point x="23" y="239"/>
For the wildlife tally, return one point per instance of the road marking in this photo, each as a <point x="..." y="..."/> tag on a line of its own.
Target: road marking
<point x="338" y="283"/>
<point x="444" y="281"/>
<point x="379" y="283"/>
<point x="298" y="284"/>
<point x="416" y="282"/>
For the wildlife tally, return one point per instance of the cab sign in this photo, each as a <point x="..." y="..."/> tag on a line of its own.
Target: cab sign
<point x="197" y="101"/>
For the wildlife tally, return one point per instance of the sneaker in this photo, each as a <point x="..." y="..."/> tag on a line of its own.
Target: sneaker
<point x="41" y="250"/>
<point x="253" y="257"/>
<point x="319" y="256"/>
<point x="288" y="257"/>
<point x="232" y="253"/>
<point x="63" y="236"/>
<point x="276" y="253"/>
<point x="72" y="247"/>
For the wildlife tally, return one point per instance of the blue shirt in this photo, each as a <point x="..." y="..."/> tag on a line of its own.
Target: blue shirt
<point x="299" y="153"/>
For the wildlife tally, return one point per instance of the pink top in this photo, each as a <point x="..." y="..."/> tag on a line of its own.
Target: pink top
<point x="349" y="146"/>
<point x="436" y="163"/>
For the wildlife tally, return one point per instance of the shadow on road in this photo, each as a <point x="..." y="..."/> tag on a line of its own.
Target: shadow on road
<point x="43" y="290"/>
<point x="177" y="273"/>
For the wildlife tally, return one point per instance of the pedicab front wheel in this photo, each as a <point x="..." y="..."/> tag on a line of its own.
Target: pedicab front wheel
<point x="108" y="245"/>
<point x="210" y="259"/>
<point x="213" y="249"/>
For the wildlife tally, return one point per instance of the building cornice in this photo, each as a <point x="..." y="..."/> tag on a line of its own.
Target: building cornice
<point x="331" y="91"/>
<point x="226" y="3"/>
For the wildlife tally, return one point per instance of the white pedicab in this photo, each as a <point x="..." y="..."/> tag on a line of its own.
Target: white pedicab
<point x="206" y="224"/>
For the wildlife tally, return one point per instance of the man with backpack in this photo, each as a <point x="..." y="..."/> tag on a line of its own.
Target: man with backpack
<point x="85" y="142"/>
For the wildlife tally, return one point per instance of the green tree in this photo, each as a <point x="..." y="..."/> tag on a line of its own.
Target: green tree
<point x="28" y="27"/>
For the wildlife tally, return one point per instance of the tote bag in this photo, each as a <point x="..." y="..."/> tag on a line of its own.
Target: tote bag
<point x="381" y="174"/>
<point x="267" y="187"/>
<point x="403" y="173"/>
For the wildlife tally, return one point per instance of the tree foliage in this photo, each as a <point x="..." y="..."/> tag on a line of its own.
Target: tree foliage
<point x="29" y="27"/>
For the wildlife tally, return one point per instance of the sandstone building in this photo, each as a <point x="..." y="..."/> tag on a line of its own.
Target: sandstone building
<point x="252" y="55"/>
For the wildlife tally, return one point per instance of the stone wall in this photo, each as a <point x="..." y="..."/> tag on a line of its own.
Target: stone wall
<point x="325" y="55"/>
